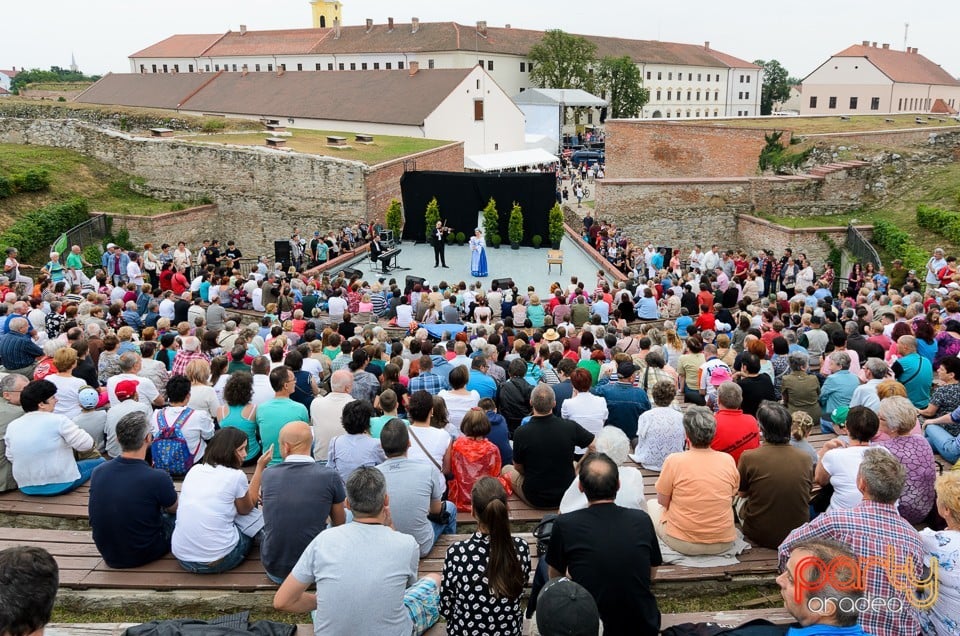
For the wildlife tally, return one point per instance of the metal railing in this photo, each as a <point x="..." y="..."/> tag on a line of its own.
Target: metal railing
<point x="89" y="232"/>
<point x="862" y="250"/>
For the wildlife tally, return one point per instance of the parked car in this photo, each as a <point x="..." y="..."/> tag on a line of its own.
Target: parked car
<point x="591" y="157"/>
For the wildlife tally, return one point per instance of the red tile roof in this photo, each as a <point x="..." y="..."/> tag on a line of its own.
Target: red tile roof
<point x="941" y="107"/>
<point x="902" y="66"/>
<point x="9" y="73"/>
<point x="387" y="97"/>
<point x="430" y="36"/>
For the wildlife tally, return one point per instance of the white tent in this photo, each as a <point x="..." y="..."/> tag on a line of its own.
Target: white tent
<point x="543" y="108"/>
<point x="508" y="160"/>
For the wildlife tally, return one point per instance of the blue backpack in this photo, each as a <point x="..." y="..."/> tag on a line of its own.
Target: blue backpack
<point x="169" y="449"/>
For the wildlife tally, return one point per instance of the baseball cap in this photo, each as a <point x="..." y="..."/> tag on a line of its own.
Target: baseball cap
<point x="626" y="369"/>
<point x="839" y="415"/>
<point x="565" y="608"/>
<point x="88" y="397"/>
<point x="126" y="389"/>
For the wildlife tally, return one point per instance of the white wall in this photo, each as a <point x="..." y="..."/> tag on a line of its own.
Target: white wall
<point x="5" y="81"/>
<point x="542" y="119"/>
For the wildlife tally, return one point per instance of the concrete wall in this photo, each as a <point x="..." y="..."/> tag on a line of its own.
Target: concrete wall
<point x="649" y="149"/>
<point x="262" y="193"/>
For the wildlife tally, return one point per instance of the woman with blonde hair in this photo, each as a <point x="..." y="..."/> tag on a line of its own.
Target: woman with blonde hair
<point x="202" y="395"/>
<point x="672" y="348"/>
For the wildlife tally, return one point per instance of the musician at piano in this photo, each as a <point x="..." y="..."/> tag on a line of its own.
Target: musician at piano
<point x="376" y="249"/>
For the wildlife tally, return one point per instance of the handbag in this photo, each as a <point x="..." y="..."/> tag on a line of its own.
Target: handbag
<point x="443" y="517"/>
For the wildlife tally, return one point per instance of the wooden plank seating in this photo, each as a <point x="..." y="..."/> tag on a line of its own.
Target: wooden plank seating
<point x="117" y="629"/>
<point x="363" y="139"/>
<point x="276" y="142"/>
<point x="161" y="132"/>
<point x="336" y="141"/>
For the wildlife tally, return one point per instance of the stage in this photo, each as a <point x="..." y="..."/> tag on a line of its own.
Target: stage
<point x="527" y="266"/>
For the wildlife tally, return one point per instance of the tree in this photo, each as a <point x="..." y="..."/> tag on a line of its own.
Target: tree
<point x="621" y="80"/>
<point x="561" y="60"/>
<point x="776" y="85"/>
<point x="55" y="74"/>
<point x="431" y="216"/>
<point x="491" y="219"/>
<point x="394" y="218"/>
<point x="515" y="228"/>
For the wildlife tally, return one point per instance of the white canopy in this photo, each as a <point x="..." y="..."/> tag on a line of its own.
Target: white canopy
<point x="557" y="96"/>
<point x="506" y="160"/>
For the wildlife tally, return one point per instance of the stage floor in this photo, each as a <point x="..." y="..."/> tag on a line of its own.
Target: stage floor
<point x="527" y="266"/>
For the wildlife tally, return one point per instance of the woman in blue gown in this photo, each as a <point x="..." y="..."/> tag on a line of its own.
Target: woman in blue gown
<point x="478" y="255"/>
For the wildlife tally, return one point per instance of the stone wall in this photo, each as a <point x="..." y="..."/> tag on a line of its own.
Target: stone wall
<point x="922" y="135"/>
<point x="754" y="234"/>
<point x="262" y="193"/>
<point x="660" y="149"/>
<point x="192" y="226"/>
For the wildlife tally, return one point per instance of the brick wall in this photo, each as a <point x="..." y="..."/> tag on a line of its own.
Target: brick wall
<point x="191" y="226"/>
<point x="382" y="181"/>
<point x="655" y="149"/>
<point x="754" y="234"/>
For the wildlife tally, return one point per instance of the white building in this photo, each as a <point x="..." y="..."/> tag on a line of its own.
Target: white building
<point x="870" y="79"/>
<point x="6" y="76"/>
<point x="451" y="104"/>
<point x="685" y="80"/>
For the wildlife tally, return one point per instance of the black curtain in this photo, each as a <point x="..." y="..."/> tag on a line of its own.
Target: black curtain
<point x="462" y="195"/>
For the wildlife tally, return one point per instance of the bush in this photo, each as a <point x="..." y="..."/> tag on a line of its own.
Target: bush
<point x="432" y="215"/>
<point x="6" y="188"/>
<point x="537" y="240"/>
<point x="515" y="229"/>
<point x="491" y="218"/>
<point x="213" y="125"/>
<point x="496" y="240"/>
<point x="461" y="238"/>
<point x="394" y="218"/>
<point x="555" y="220"/>
<point x="943" y="222"/>
<point x="176" y="207"/>
<point x="33" y="180"/>
<point x="92" y="254"/>
<point x="451" y="238"/>
<point x="776" y="158"/>
<point x="897" y="243"/>
<point x="37" y="229"/>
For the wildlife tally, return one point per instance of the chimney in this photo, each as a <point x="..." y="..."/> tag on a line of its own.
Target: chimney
<point x="414" y="68"/>
<point x="506" y="26"/>
<point x="369" y="25"/>
<point x="886" y="46"/>
<point x="390" y="25"/>
<point x="865" y="43"/>
<point x="915" y="49"/>
<point x="243" y="29"/>
<point x="414" y="25"/>
<point x="706" y="45"/>
<point x="873" y="44"/>
<point x="336" y="28"/>
<point x="482" y="27"/>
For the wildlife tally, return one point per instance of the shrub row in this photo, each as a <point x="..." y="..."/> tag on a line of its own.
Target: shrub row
<point x="897" y="243"/>
<point x="31" y="180"/>
<point x="37" y="229"/>
<point x="942" y="222"/>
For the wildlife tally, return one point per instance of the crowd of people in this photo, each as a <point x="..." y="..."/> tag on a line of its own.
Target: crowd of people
<point x="450" y="396"/>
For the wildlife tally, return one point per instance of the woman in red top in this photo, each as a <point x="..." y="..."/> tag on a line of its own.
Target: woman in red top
<point x="706" y="319"/>
<point x="473" y="456"/>
<point x="166" y="274"/>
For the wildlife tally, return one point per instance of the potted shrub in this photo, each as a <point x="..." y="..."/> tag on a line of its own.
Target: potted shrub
<point x="555" y="220"/>
<point x="461" y="238"/>
<point x="394" y="219"/>
<point x="537" y="240"/>
<point x="432" y="215"/>
<point x="515" y="228"/>
<point x="451" y="238"/>
<point x="491" y="219"/>
<point x="496" y="240"/>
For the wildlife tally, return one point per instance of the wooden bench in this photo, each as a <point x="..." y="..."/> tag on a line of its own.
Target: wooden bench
<point x="117" y="629"/>
<point x="363" y="139"/>
<point x="276" y="127"/>
<point x="161" y="132"/>
<point x="337" y="142"/>
<point x="276" y="142"/>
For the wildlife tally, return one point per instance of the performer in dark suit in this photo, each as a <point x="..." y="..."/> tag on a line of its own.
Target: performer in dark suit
<point x="438" y="240"/>
<point x="376" y="250"/>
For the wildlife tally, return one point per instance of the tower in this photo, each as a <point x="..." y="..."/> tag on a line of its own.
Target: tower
<point x="325" y="12"/>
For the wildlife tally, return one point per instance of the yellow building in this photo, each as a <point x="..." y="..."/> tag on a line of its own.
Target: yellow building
<point x="325" y="12"/>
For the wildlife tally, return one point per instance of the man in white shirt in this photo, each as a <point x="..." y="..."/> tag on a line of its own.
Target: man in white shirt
<point x="874" y="371"/>
<point x="262" y="391"/>
<point x="130" y="365"/>
<point x="336" y="305"/>
<point x="326" y="412"/>
<point x="166" y="306"/>
<point x="197" y="428"/>
<point x="696" y="259"/>
<point x="711" y="259"/>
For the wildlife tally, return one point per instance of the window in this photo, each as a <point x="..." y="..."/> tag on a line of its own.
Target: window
<point x="299" y="67"/>
<point x="706" y="96"/>
<point x="400" y="64"/>
<point x="668" y="114"/>
<point x="853" y="103"/>
<point x="269" y="68"/>
<point x="216" y="67"/>
<point x="530" y="67"/>
<point x="747" y="94"/>
<point x="813" y="101"/>
<point x="699" y="77"/>
<point x="353" y="66"/>
<point x="669" y="95"/>
<point x="165" y="68"/>
<point x="489" y="65"/>
<point x="256" y="67"/>
<point x="716" y="96"/>
<point x="698" y="112"/>
<point x="478" y="110"/>
<point x="283" y="67"/>
<point x="833" y="102"/>
<point x="748" y="79"/>
<point x="317" y="67"/>
<point x="523" y="67"/>
<point x="176" y="68"/>
<point x="659" y="75"/>
<point x="376" y="66"/>
<point x="698" y="96"/>
<point x="478" y="84"/>
<point x="329" y="66"/>
<point x="740" y="95"/>
<point x="480" y="63"/>
<point x="658" y="94"/>
<point x="429" y="63"/>
<point x="649" y="75"/>
<point x="670" y="75"/>
<point x="522" y="89"/>
<point x="206" y="67"/>
<point x="189" y="67"/>
<point x="689" y="79"/>
<point x="708" y="77"/>
<point x="363" y="66"/>
<point x="234" y="68"/>
<point x="688" y="95"/>
<point x="590" y="117"/>
<point x="388" y="66"/>
<point x="741" y="81"/>
<point x="155" y="68"/>
<point x="340" y="66"/>
<point x="688" y="114"/>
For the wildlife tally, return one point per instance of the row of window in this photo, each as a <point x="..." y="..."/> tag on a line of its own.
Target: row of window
<point x="706" y="95"/>
<point x="917" y="103"/>
<point x="364" y="66"/>
<point x="690" y="114"/>
<point x="854" y="102"/>
<point x="743" y="95"/>
<point x="744" y="81"/>
<point x="710" y="76"/>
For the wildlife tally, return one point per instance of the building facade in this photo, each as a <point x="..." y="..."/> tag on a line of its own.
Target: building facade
<point x="870" y="79"/>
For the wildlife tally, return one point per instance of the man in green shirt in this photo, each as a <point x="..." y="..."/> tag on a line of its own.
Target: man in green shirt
<point x="75" y="264"/>
<point x="274" y="414"/>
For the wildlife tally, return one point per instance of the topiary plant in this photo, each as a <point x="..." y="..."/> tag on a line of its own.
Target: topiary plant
<point x="432" y="215"/>
<point x="537" y="240"/>
<point x="496" y="240"/>
<point x="394" y="218"/>
<point x="491" y="218"/>
<point x="555" y="221"/>
<point x="515" y="229"/>
<point x="461" y="238"/>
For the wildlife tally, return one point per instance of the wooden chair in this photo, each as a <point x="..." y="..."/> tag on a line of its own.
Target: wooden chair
<point x="554" y="257"/>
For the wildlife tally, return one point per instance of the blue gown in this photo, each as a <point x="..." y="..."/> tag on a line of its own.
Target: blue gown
<point x="478" y="257"/>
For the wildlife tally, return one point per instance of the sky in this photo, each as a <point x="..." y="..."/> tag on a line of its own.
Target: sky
<point x="800" y="34"/>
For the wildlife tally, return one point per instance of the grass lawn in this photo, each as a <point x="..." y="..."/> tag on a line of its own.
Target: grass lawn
<point x="71" y="175"/>
<point x="314" y="142"/>
<point x="829" y="124"/>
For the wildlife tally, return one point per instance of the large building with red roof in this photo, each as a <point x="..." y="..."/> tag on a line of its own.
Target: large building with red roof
<point x="685" y="80"/>
<point x="870" y="79"/>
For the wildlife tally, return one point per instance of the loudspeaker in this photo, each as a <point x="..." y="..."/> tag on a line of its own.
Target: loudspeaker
<point x="504" y="283"/>
<point x="281" y="252"/>
<point x="350" y="272"/>
<point x="410" y="281"/>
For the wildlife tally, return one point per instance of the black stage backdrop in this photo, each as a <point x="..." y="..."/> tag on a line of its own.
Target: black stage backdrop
<point x="462" y="195"/>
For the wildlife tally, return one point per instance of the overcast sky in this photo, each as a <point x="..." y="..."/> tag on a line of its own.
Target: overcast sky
<point x="799" y="33"/>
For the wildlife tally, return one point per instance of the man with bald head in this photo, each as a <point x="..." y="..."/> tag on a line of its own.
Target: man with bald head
<point x="18" y="352"/>
<point x="298" y="496"/>
<point x="913" y="371"/>
<point x="325" y="412"/>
